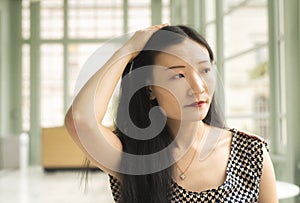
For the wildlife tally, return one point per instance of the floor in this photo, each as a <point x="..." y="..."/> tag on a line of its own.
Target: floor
<point x="33" y="185"/>
<point x="36" y="186"/>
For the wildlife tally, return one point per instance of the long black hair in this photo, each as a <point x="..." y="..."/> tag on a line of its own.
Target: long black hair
<point x="154" y="187"/>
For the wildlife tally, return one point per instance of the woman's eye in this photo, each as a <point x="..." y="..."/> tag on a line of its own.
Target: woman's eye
<point x="177" y="76"/>
<point x="206" y="70"/>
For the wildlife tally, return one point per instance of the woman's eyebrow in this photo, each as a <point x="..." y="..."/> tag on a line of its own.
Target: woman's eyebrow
<point x="175" y="66"/>
<point x="182" y="66"/>
<point x="203" y="62"/>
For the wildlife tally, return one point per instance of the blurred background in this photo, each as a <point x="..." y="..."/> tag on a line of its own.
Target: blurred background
<point x="45" y="43"/>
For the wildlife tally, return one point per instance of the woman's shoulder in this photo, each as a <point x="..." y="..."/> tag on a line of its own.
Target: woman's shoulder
<point x="250" y="137"/>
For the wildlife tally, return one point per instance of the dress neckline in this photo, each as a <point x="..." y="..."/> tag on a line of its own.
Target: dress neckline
<point x="229" y="163"/>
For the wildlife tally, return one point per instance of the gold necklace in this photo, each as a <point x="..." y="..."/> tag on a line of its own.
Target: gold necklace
<point x="182" y="175"/>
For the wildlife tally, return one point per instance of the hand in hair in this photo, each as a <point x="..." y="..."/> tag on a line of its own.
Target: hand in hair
<point x="137" y="42"/>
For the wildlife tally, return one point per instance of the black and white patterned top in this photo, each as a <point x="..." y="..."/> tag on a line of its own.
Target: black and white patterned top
<point x="243" y="174"/>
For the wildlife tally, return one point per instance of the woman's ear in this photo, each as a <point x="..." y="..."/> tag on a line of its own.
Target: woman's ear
<point x="151" y="93"/>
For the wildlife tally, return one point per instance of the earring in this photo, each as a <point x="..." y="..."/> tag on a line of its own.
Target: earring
<point x="151" y="95"/>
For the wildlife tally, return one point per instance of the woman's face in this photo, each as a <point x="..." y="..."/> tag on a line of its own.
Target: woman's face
<point x="184" y="81"/>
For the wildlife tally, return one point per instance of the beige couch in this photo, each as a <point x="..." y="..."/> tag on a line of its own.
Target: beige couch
<point x="59" y="151"/>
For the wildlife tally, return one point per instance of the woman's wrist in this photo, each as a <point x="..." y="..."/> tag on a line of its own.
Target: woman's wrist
<point x="125" y="53"/>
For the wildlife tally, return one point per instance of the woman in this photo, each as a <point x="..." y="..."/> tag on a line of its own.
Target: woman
<point x="170" y="143"/>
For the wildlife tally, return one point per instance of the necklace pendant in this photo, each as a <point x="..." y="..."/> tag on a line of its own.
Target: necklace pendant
<point x="182" y="176"/>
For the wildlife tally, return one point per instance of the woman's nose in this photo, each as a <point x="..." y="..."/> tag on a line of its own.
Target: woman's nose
<point x="197" y="85"/>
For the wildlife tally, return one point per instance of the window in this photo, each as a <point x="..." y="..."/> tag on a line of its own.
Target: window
<point x="245" y="52"/>
<point x="95" y="19"/>
<point x="51" y="19"/>
<point x="25" y="19"/>
<point x="52" y="104"/>
<point x="78" y="54"/>
<point x="69" y="32"/>
<point x="139" y="14"/>
<point x="26" y="87"/>
<point x="253" y="74"/>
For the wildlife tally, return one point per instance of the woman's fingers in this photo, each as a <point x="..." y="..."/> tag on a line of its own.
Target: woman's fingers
<point x="157" y="27"/>
<point x="160" y="25"/>
<point x="137" y="42"/>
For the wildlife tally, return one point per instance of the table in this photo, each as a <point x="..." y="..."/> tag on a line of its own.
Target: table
<point x="286" y="190"/>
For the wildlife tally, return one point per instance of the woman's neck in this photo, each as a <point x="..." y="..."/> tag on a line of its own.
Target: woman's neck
<point x="186" y="132"/>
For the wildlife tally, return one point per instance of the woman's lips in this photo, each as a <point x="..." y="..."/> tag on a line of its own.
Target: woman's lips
<point x="196" y="104"/>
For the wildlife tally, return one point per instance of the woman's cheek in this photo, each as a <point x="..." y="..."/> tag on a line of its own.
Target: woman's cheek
<point x="170" y="104"/>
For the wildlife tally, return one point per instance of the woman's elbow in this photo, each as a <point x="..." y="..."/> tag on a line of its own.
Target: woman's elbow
<point x="69" y="122"/>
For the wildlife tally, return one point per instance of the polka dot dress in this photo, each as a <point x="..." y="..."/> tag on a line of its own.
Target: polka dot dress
<point x="243" y="175"/>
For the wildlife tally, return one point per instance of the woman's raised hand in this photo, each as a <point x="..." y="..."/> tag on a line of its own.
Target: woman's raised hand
<point x="137" y="42"/>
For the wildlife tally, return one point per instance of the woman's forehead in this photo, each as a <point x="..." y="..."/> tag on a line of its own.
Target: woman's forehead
<point x="188" y="50"/>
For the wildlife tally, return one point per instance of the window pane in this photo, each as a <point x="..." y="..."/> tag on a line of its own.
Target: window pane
<point x="51" y="19"/>
<point x="25" y="19"/>
<point x="95" y="3"/>
<point x="211" y="36"/>
<point x="79" y="72"/>
<point x="166" y="11"/>
<point x="245" y="28"/>
<point x="78" y="55"/>
<point x="210" y="8"/>
<point x="26" y="87"/>
<point x="247" y="83"/>
<point x="230" y="5"/>
<point x="139" y="15"/>
<point x="52" y="107"/>
<point x="95" y="19"/>
<point x="257" y="126"/>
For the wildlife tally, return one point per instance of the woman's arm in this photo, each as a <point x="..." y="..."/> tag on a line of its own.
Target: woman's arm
<point x="83" y="119"/>
<point x="267" y="189"/>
